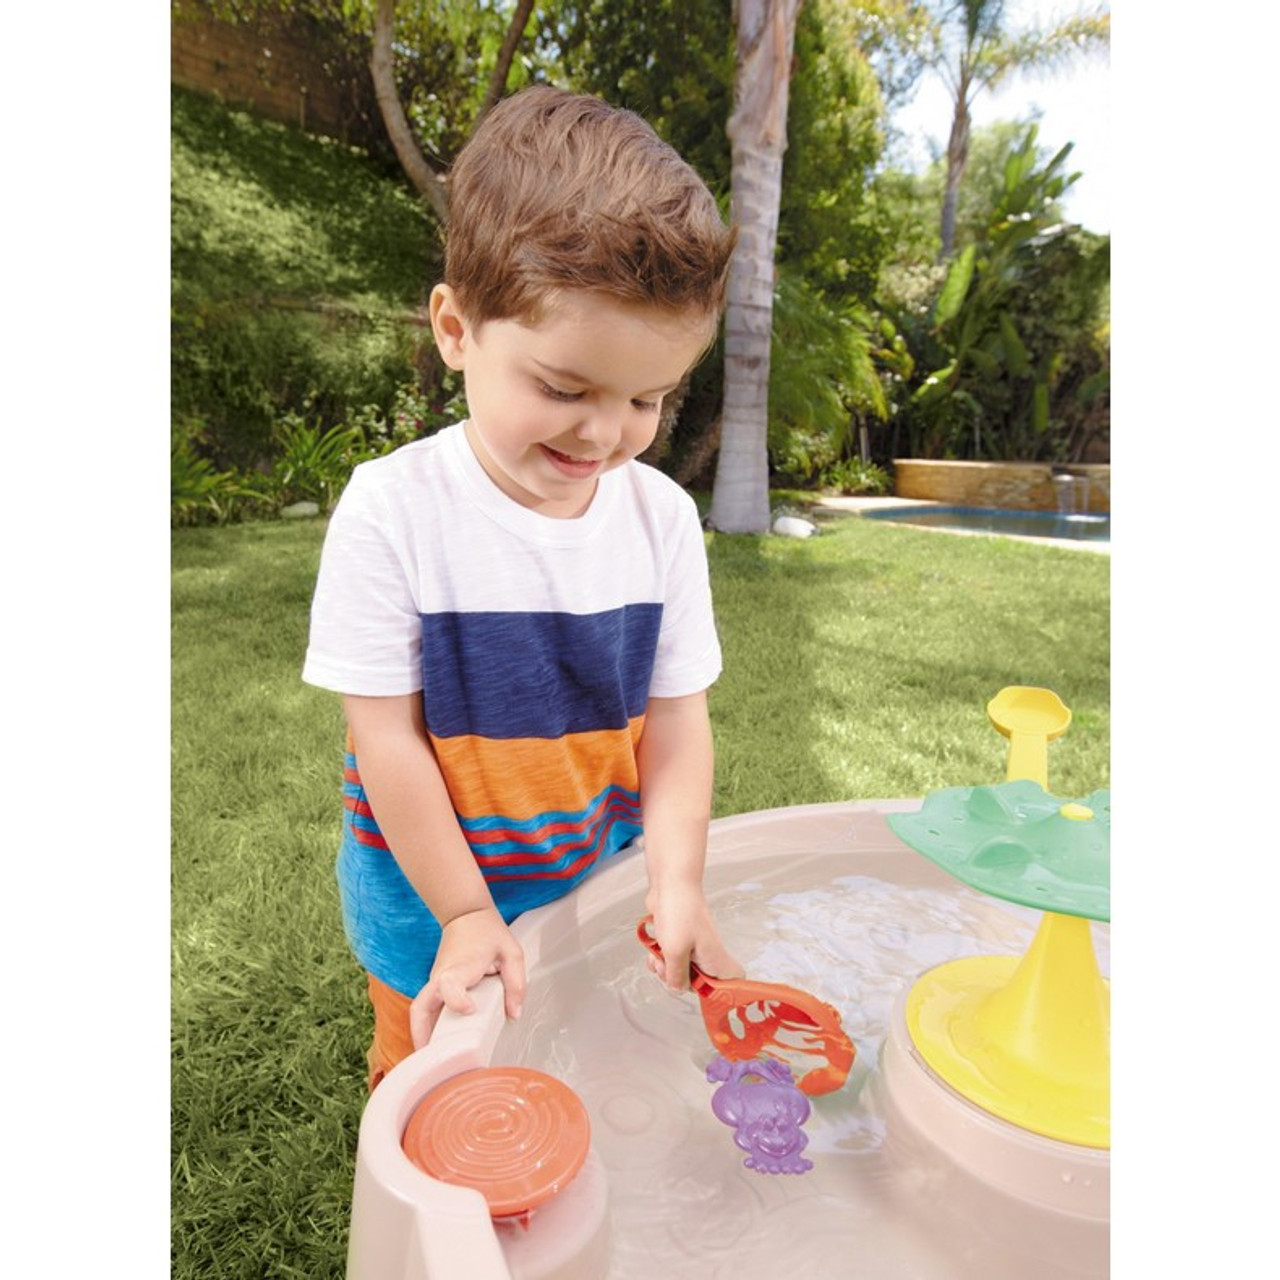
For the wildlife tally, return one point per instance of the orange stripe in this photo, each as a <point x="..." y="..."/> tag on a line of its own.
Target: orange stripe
<point x="522" y="777"/>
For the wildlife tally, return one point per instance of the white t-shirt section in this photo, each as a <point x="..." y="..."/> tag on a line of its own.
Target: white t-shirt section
<point x="424" y="530"/>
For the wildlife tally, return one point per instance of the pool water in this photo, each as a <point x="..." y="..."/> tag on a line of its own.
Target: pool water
<point x="1032" y="524"/>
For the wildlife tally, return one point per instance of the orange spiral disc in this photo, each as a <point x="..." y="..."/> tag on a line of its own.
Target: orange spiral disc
<point x="515" y="1135"/>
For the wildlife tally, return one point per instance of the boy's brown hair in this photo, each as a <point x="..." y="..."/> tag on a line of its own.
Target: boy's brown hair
<point x="561" y="191"/>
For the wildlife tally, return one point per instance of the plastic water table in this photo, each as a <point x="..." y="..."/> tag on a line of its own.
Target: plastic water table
<point x="972" y="1131"/>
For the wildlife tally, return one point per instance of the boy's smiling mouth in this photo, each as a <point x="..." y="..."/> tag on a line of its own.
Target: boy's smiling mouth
<point x="567" y="463"/>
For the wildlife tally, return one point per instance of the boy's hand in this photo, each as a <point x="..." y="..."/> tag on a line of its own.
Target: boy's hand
<point x="686" y="931"/>
<point x="472" y="946"/>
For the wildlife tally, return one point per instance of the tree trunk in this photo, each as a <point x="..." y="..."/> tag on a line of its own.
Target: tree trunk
<point x="758" y="134"/>
<point x="429" y="183"/>
<point x="957" y="159"/>
<point x="498" y="81"/>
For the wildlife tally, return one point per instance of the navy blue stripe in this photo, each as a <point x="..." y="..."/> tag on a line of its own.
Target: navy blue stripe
<point x="537" y="675"/>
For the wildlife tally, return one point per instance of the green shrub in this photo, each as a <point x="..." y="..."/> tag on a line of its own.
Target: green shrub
<point x="198" y="492"/>
<point x="803" y="455"/>
<point x="413" y="415"/>
<point x="312" y="463"/>
<point x="852" y="475"/>
<point x="814" y="461"/>
<point x="298" y="270"/>
<point x="1011" y="358"/>
<point x="241" y="367"/>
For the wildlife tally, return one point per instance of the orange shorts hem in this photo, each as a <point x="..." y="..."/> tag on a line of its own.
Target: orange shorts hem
<point x="392" y="1039"/>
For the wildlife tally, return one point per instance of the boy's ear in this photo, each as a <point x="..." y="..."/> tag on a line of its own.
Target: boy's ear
<point x="449" y="326"/>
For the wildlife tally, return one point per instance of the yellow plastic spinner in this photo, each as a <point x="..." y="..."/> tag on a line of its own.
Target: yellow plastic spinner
<point x="1028" y="1040"/>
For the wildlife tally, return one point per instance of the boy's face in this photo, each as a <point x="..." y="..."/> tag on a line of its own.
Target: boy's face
<point x="554" y="405"/>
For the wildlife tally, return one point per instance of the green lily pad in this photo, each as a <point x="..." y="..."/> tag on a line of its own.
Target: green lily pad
<point x="1017" y="842"/>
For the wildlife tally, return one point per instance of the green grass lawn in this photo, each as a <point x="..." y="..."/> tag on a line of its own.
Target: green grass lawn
<point x="857" y="665"/>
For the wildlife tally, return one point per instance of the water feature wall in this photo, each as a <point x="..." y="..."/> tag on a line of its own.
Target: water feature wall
<point x="1010" y="486"/>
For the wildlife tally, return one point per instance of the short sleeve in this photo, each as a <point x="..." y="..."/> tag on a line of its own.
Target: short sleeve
<point x="688" y="658"/>
<point x="366" y="635"/>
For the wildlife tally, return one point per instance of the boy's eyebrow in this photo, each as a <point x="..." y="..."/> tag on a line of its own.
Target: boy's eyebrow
<point x="568" y="375"/>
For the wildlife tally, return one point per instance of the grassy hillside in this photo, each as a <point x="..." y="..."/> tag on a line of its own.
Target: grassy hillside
<point x="297" y="265"/>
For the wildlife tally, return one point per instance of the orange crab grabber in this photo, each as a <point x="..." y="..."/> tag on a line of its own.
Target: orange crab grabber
<point x="747" y="1019"/>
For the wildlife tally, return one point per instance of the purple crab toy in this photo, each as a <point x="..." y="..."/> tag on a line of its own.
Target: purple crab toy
<point x="759" y="1099"/>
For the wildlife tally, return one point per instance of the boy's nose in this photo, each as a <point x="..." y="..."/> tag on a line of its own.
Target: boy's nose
<point x="600" y="428"/>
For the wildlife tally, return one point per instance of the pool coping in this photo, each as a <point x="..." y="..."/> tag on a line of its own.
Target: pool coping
<point x="859" y="505"/>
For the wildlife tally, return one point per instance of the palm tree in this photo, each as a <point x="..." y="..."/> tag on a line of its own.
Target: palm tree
<point x="758" y="136"/>
<point x="969" y="46"/>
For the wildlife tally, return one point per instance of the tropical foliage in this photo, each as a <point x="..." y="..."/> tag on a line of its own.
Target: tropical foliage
<point x="969" y="45"/>
<point x="300" y="265"/>
<point x="1008" y="357"/>
<point x="198" y="491"/>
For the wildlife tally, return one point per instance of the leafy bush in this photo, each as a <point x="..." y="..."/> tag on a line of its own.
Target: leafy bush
<point x="814" y="462"/>
<point x="802" y="457"/>
<point x="243" y="366"/>
<point x="413" y="415"/>
<point x="313" y="463"/>
<point x="1010" y="360"/>
<point x="198" y="492"/>
<point x="298" y="273"/>
<point x="852" y="475"/>
<point x="822" y="374"/>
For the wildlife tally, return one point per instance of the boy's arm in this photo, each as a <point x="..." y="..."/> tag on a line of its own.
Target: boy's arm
<point x="676" y="760"/>
<point x="407" y="794"/>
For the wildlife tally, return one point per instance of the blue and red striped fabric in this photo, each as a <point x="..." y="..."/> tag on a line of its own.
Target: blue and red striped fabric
<point x="521" y="709"/>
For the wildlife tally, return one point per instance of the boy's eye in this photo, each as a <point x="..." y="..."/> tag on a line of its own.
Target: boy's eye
<point x="556" y="394"/>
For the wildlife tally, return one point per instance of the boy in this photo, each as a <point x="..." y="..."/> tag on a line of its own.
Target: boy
<point x="517" y="614"/>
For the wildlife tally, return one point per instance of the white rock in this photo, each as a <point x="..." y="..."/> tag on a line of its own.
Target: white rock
<point x="300" y="510"/>
<point x="794" y="527"/>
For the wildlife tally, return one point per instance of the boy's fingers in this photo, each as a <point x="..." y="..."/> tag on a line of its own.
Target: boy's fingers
<point x="423" y="1015"/>
<point x="513" y="983"/>
<point x="442" y="992"/>
<point x="718" y="963"/>
<point x="675" y="966"/>
<point x="453" y="991"/>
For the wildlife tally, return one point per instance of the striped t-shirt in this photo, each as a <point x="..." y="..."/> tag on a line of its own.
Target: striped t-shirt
<point x="536" y="644"/>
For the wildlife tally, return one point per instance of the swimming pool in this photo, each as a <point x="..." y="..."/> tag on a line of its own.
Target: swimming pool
<point x="1028" y="524"/>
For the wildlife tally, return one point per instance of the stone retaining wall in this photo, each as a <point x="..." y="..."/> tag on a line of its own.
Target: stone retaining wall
<point x="1013" y="486"/>
<point x="281" y="66"/>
